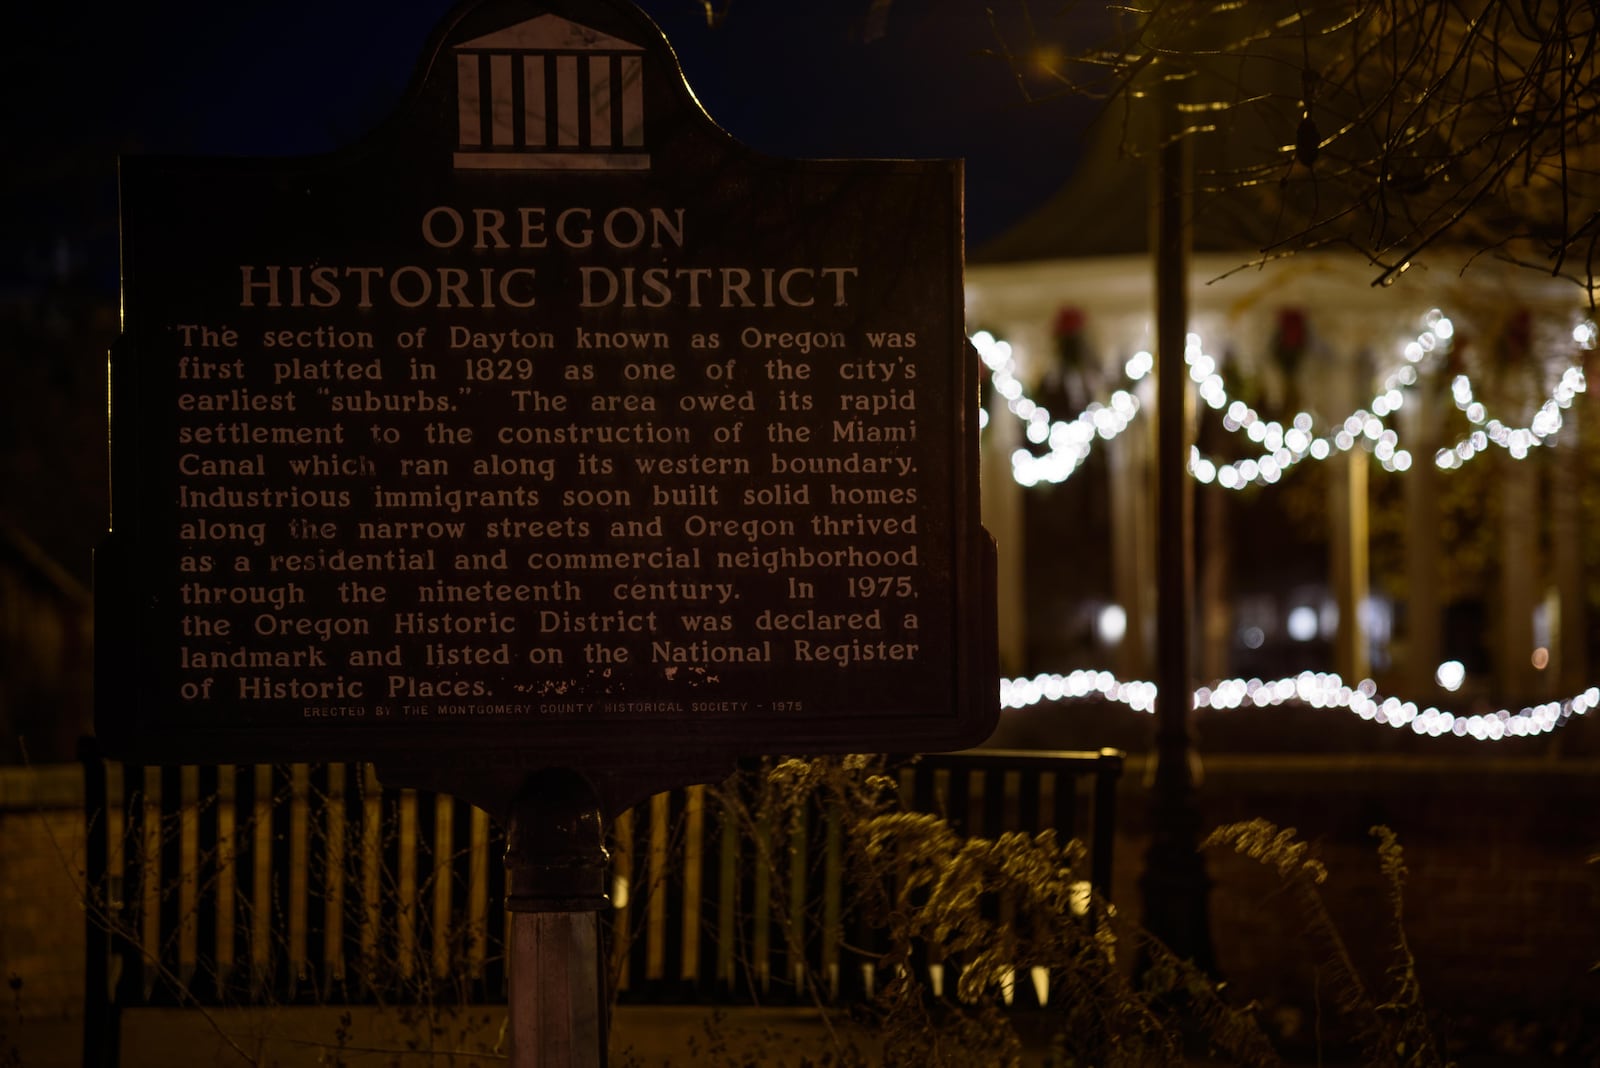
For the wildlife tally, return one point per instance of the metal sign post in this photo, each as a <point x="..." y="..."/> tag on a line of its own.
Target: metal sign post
<point x="556" y="870"/>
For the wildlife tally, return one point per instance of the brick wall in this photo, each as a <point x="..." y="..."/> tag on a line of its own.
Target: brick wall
<point x="41" y="873"/>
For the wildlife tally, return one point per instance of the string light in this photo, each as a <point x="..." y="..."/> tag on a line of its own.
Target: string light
<point x="1020" y="693"/>
<point x="1281" y="447"/>
<point x="1311" y="688"/>
<point x="1515" y="440"/>
<point x="1070" y="441"/>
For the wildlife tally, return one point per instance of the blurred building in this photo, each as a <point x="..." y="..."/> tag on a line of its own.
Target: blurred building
<point x="1389" y="480"/>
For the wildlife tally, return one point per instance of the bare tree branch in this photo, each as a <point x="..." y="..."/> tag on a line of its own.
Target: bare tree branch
<point x="1393" y="126"/>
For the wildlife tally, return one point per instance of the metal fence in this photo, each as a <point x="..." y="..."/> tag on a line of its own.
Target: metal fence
<point x="312" y="884"/>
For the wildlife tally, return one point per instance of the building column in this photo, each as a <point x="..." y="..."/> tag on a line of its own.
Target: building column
<point x="1132" y="544"/>
<point x="1215" y="606"/>
<point x="1520" y="579"/>
<point x="1522" y="582"/>
<point x="1424" y="641"/>
<point x="1570" y="652"/>
<point x="1001" y="507"/>
<point x="1521" y="586"/>
<point x="1347" y="525"/>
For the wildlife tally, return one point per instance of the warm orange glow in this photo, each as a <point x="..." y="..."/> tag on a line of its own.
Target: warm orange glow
<point x="1047" y="59"/>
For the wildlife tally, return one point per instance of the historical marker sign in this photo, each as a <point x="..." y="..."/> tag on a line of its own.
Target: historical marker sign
<point x="547" y="421"/>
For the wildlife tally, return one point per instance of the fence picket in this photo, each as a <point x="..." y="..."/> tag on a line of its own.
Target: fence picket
<point x="214" y="873"/>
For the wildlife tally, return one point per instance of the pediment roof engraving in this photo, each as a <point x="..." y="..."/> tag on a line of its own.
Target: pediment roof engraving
<point x="549" y="33"/>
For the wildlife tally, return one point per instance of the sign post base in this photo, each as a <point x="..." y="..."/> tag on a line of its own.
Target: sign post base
<point x="556" y="864"/>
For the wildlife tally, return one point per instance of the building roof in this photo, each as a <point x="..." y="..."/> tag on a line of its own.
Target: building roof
<point x="1105" y="208"/>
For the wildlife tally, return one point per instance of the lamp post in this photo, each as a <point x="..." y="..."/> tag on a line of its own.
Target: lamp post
<point x="1174" y="886"/>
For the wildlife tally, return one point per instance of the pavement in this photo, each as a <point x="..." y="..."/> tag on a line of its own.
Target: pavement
<point x="404" y="1037"/>
<point x="400" y="1037"/>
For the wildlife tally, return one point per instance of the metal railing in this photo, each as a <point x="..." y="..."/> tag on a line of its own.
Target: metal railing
<point x="312" y="884"/>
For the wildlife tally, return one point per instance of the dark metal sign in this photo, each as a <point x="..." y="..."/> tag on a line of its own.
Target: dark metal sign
<point x="547" y="422"/>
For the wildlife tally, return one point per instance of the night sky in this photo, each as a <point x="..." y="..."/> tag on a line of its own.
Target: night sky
<point x="823" y="78"/>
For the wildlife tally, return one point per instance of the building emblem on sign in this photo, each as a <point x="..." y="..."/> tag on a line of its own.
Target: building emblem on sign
<point x="549" y="94"/>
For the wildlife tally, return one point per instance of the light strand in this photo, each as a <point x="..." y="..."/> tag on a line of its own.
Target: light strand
<point x="1515" y="440"/>
<point x="1314" y="689"/>
<point x="1282" y="447"/>
<point x="1070" y="440"/>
